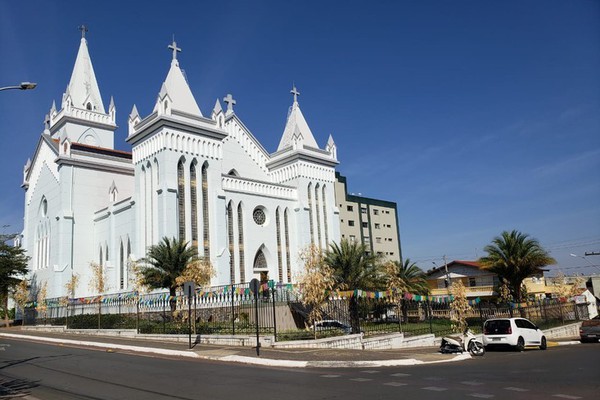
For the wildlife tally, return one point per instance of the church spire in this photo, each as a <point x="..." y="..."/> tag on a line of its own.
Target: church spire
<point x="296" y="133"/>
<point x="83" y="88"/>
<point x="175" y="93"/>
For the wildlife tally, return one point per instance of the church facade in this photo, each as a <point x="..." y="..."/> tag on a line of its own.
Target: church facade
<point x="202" y="178"/>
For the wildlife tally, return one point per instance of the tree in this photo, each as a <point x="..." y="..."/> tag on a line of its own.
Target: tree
<point x="404" y="278"/>
<point x="40" y="305"/>
<point x="514" y="256"/>
<point x="13" y="263"/>
<point x="97" y="284"/>
<point x="315" y="282"/>
<point x="200" y="271"/>
<point x="353" y="267"/>
<point x="459" y="307"/>
<point x="21" y="296"/>
<point x="164" y="263"/>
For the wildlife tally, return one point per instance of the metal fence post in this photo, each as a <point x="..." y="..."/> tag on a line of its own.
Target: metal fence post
<point x="137" y="315"/>
<point x="274" y="317"/>
<point x="430" y="316"/>
<point x="232" y="311"/>
<point x="165" y="316"/>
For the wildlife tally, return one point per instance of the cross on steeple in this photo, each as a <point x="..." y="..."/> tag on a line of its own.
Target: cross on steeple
<point x="175" y="49"/>
<point x="295" y="92"/>
<point x="230" y="102"/>
<point x="83" y="30"/>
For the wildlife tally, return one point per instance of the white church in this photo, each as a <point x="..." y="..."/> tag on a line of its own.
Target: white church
<point x="203" y="178"/>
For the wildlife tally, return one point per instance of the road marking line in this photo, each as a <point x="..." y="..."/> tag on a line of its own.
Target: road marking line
<point x="395" y="384"/>
<point x="516" y="389"/>
<point x="370" y="372"/>
<point x="472" y="383"/>
<point x="482" y="395"/>
<point x="435" y="388"/>
<point x="400" y="374"/>
<point x="566" y="396"/>
<point x="330" y="376"/>
<point x="361" y="379"/>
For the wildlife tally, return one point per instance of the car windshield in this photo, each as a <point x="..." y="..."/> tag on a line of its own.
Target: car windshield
<point x="497" y="326"/>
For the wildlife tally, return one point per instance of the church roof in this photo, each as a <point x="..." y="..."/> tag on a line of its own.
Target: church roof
<point x="83" y="87"/>
<point x="296" y="128"/>
<point x="177" y="88"/>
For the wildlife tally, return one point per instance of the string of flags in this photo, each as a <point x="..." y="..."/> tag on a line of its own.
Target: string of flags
<point x="222" y="292"/>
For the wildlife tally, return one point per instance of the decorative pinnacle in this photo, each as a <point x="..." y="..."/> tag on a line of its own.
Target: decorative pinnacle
<point x="83" y="30"/>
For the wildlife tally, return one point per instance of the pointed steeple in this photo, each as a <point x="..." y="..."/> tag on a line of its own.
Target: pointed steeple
<point x="83" y="87"/>
<point x="331" y="147"/>
<point x="217" y="108"/>
<point x="296" y="133"/>
<point x="134" y="118"/>
<point x="175" y="86"/>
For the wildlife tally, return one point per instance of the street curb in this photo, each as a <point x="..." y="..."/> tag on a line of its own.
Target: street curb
<point x="239" y="359"/>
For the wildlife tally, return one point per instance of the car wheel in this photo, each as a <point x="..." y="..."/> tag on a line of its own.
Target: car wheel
<point x="543" y="344"/>
<point x="520" y="344"/>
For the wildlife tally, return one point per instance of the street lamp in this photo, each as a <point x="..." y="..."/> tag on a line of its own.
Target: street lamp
<point x="586" y="260"/>
<point x="22" y="86"/>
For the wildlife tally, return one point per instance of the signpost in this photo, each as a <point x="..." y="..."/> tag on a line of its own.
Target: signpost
<point x="254" y="286"/>
<point x="189" y="288"/>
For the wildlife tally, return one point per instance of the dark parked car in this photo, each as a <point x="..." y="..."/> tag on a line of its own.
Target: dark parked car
<point x="590" y="330"/>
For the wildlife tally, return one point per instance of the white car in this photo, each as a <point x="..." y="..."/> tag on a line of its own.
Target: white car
<point x="516" y="332"/>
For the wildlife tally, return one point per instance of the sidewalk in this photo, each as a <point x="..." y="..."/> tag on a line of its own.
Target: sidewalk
<point x="298" y="358"/>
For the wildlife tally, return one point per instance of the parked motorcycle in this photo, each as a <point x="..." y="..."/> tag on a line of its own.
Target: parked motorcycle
<point x="461" y="343"/>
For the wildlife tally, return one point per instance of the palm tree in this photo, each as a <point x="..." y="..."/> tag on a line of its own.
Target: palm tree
<point x="406" y="277"/>
<point x="165" y="262"/>
<point x="514" y="256"/>
<point x="354" y="267"/>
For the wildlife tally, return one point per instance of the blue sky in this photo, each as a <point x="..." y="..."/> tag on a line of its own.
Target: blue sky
<point x="474" y="116"/>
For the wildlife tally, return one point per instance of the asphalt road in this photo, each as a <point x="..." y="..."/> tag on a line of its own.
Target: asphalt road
<point x="60" y="372"/>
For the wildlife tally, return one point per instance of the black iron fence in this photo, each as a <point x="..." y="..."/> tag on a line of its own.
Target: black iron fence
<point x="231" y="310"/>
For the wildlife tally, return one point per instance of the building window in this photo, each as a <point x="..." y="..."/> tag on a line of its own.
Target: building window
<point x="241" y="243"/>
<point x="287" y="246"/>
<point x="378" y="240"/>
<point x="194" y="203"/>
<point x="472" y="281"/>
<point x="310" y="215"/>
<point x="230" y="237"/>
<point x="365" y="225"/>
<point x="352" y="238"/>
<point x="317" y="208"/>
<point x="377" y="226"/>
<point x="259" y="216"/>
<point x="350" y="223"/>
<point x="367" y="240"/>
<point x="181" y="199"/>
<point x="279" y="255"/>
<point x="260" y="262"/>
<point x="205" y="221"/>
<point x="363" y="210"/>
<point x="325" y="217"/>
<point x="376" y="212"/>
<point x="349" y="208"/>
<point x="121" y="267"/>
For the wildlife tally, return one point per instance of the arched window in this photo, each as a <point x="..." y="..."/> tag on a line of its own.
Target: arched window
<point x="205" y="222"/>
<point x="181" y="199"/>
<point x="194" y="204"/>
<point x="88" y="106"/>
<point x="287" y="245"/>
<point x="310" y="218"/>
<point x="121" y="267"/>
<point x="279" y="256"/>
<point x="317" y="187"/>
<point x="260" y="261"/>
<point x="230" y="238"/>
<point x="326" y="228"/>
<point x="101" y="258"/>
<point x="241" y="243"/>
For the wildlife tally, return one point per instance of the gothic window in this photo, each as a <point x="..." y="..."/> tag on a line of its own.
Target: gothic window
<point x="230" y="237"/>
<point x="205" y="227"/>
<point x="279" y="257"/>
<point x="241" y="243"/>
<point x="101" y="258"/>
<point x="260" y="262"/>
<point x="88" y="106"/>
<point x="121" y="267"/>
<point x="310" y="219"/>
<point x="181" y="199"/>
<point x="324" y="200"/>
<point x="194" y="203"/>
<point x="150" y="194"/>
<point x="287" y="246"/>
<point x="317" y="187"/>
<point x="259" y="216"/>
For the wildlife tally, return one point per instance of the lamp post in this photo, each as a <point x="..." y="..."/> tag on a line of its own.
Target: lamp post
<point x="21" y="86"/>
